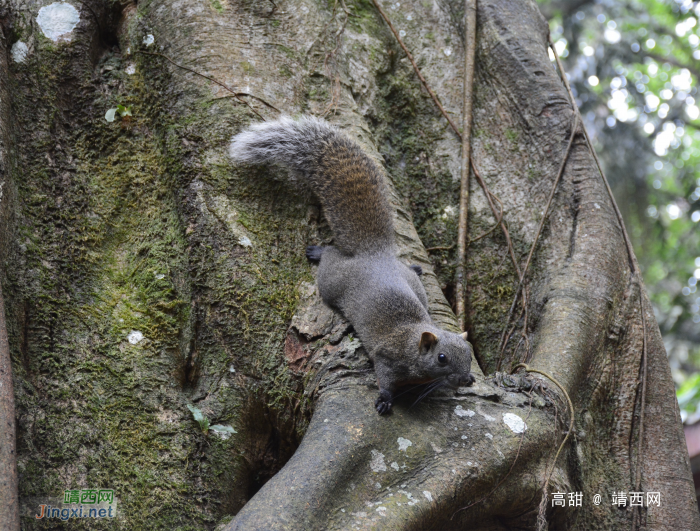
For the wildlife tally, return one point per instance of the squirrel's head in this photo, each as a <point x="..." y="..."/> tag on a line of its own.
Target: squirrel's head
<point x="446" y="355"/>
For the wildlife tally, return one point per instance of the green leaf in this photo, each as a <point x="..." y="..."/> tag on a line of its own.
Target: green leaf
<point x="689" y="392"/>
<point x="197" y="414"/>
<point x="222" y="429"/>
<point x="109" y="115"/>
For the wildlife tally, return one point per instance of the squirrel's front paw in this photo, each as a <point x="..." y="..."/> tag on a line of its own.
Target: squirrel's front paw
<point x="383" y="402"/>
<point x="314" y="252"/>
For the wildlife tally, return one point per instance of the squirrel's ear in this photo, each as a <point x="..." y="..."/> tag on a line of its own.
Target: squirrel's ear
<point x="464" y="335"/>
<point x="427" y="340"/>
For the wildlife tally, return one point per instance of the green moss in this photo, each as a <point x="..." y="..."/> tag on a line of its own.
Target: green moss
<point x="286" y="71"/>
<point x="114" y="239"/>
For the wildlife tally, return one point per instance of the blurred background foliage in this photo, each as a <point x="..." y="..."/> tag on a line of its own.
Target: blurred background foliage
<point x="634" y="67"/>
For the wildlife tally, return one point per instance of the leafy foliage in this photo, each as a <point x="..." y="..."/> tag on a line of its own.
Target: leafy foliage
<point x="634" y="68"/>
<point x="204" y="423"/>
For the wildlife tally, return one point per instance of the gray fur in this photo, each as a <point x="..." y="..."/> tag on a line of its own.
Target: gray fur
<point x="293" y="143"/>
<point x="361" y="276"/>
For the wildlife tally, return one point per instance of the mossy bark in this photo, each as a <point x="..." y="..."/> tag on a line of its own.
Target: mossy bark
<point x="144" y="272"/>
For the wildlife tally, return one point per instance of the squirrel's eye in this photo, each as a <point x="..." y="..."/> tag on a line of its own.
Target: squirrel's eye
<point x="442" y="359"/>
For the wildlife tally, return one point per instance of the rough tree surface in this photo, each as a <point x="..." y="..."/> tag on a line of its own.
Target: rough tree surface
<point x="142" y="272"/>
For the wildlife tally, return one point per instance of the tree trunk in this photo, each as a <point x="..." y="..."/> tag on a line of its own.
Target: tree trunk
<point x="144" y="272"/>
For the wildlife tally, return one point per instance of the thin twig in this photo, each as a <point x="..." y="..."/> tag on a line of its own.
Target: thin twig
<point x="441" y="248"/>
<point x="540" y="518"/>
<point x="499" y="219"/>
<point x="274" y="8"/>
<point x="574" y="129"/>
<point x="457" y="132"/>
<point x="463" y="227"/>
<point x="489" y="194"/>
<point x="233" y="92"/>
<point x="415" y="68"/>
<point x="628" y="243"/>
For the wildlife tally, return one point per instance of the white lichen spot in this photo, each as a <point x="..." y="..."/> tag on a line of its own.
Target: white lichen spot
<point x="514" y="422"/>
<point x="403" y="444"/>
<point x="464" y="437"/>
<point x="402" y="33"/>
<point x="395" y="466"/>
<point x="326" y="420"/>
<point x="428" y="496"/>
<point x="381" y="510"/>
<point x="409" y="17"/>
<point x="469" y="463"/>
<point x="487" y="417"/>
<point x="597" y="206"/>
<point x="377" y="463"/>
<point x="464" y="412"/>
<point x="245" y="241"/>
<point x="57" y="19"/>
<point x="449" y="212"/>
<point x="19" y="52"/>
<point x="447" y="51"/>
<point x="231" y="369"/>
<point x="436" y="448"/>
<point x="131" y="69"/>
<point x="149" y="39"/>
<point x="135" y="337"/>
<point x="359" y="515"/>
<point x="489" y="436"/>
<point x="160" y="276"/>
<point x="407" y="494"/>
<point x="377" y="485"/>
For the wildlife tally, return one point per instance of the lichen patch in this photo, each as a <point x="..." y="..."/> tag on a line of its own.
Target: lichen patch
<point x="377" y="463"/>
<point x="19" y="52"/>
<point x="514" y="422"/>
<point x="57" y="19"/>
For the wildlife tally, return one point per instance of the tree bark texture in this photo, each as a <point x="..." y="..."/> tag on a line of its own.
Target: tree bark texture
<point x="143" y="272"/>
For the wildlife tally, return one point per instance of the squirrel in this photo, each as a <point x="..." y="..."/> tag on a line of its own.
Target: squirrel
<point x="361" y="276"/>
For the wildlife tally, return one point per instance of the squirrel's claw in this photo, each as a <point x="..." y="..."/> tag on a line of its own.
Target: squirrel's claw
<point x="383" y="403"/>
<point x="382" y="407"/>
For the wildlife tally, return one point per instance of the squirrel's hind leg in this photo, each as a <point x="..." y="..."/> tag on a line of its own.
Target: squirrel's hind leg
<point x="314" y="252"/>
<point x="412" y="276"/>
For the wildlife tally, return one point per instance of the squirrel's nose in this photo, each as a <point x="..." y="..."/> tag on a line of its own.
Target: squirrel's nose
<point x="466" y="380"/>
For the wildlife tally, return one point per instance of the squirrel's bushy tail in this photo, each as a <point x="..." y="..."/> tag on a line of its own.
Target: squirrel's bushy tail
<point x="349" y="184"/>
